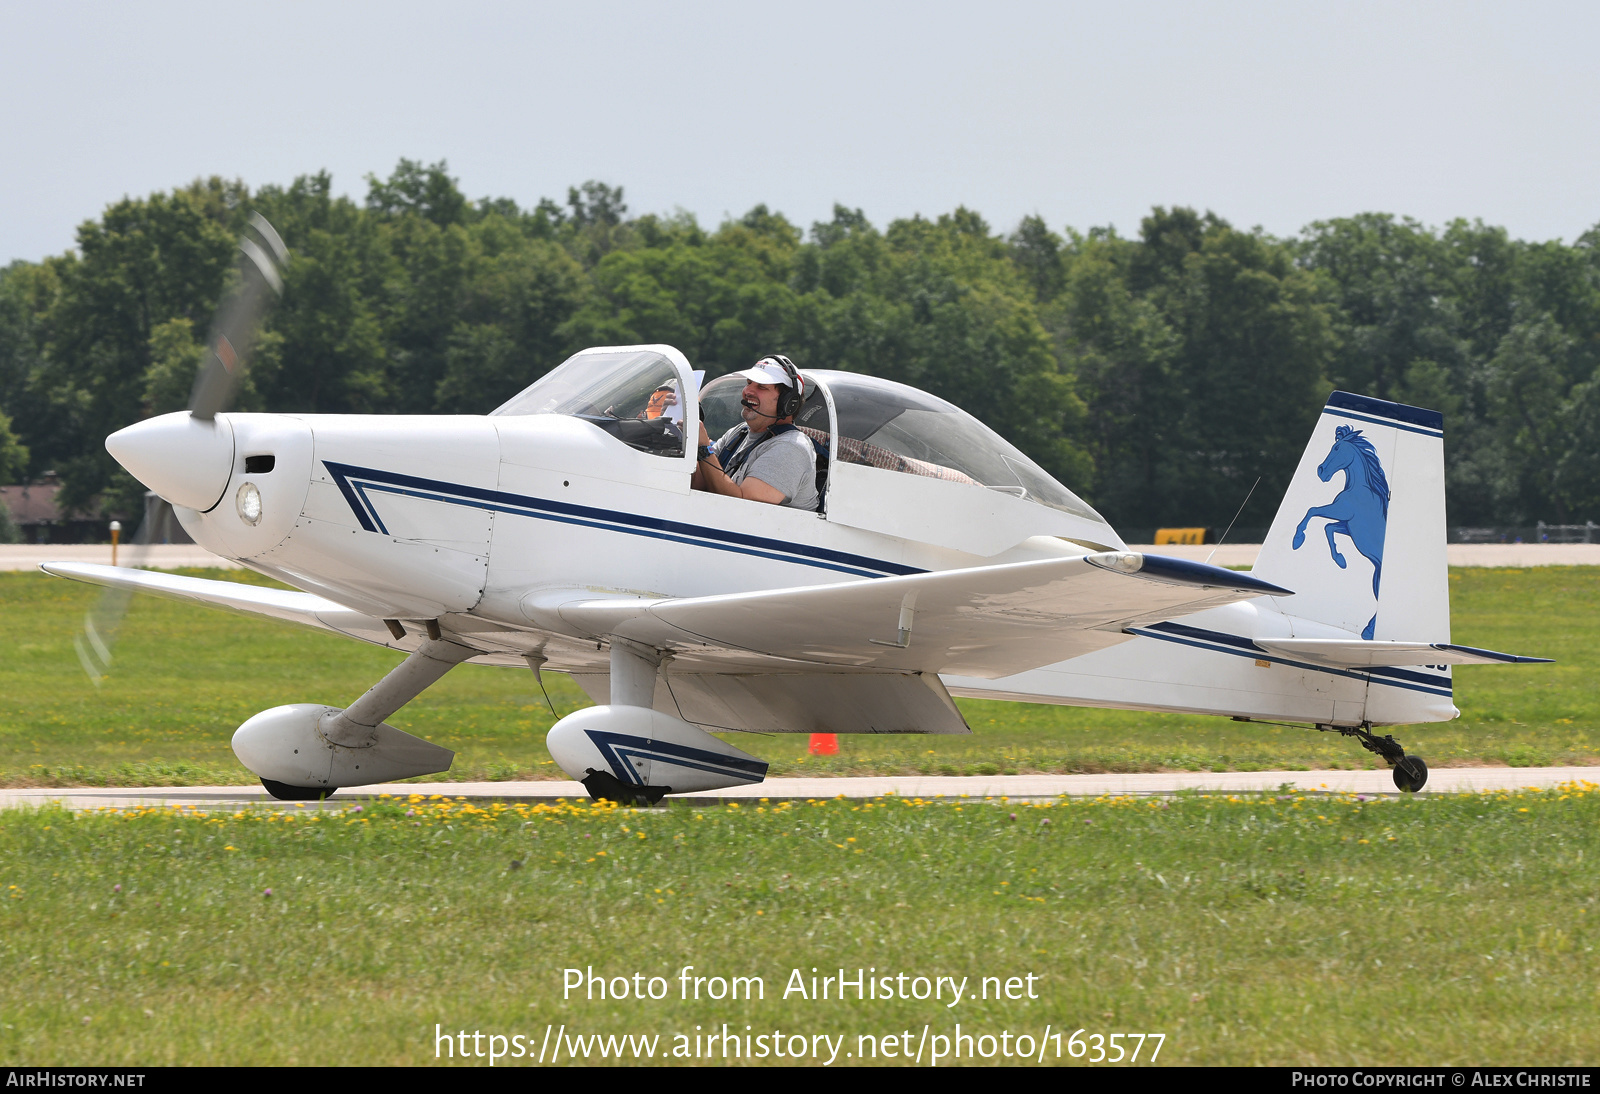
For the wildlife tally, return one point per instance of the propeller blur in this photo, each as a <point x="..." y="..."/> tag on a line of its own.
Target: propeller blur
<point x="191" y="453"/>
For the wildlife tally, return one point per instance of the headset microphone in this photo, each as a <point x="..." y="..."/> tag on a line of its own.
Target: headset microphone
<point x="748" y="405"/>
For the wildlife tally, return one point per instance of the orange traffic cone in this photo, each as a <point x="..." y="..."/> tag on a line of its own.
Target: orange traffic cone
<point x="824" y="744"/>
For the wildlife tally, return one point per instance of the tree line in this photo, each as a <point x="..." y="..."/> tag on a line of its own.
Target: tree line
<point x="1158" y="376"/>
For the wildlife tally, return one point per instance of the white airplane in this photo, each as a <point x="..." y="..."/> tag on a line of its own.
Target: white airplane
<point x="560" y="532"/>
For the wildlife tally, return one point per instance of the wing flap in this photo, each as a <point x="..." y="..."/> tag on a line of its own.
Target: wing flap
<point x="801" y="702"/>
<point x="986" y="621"/>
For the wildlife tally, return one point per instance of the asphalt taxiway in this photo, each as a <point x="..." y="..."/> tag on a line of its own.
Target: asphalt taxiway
<point x="1449" y="780"/>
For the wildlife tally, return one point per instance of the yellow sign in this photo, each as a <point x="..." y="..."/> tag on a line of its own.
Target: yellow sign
<point x="1180" y="535"/>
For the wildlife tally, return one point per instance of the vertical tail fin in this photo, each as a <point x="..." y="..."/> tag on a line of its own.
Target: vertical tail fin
<point x="1360" y="535"/>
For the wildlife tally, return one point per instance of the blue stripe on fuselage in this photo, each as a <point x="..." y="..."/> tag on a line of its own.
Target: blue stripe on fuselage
<point x="355" y="482"/>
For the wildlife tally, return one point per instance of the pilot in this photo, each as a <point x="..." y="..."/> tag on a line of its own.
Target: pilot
<point x="767" y="458"/>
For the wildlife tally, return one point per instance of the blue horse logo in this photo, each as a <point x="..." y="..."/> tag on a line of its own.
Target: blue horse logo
<point x="1360" y="510"/>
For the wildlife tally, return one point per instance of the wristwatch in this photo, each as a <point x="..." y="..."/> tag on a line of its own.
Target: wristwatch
<point x="707" y="451"/>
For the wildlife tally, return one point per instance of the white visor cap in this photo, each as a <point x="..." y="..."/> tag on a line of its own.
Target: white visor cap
<point x="766" y="372"/>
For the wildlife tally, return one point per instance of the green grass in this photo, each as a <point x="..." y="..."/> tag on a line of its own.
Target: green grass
<point x="1267" y="930"/>
<point x="185" y="677"/>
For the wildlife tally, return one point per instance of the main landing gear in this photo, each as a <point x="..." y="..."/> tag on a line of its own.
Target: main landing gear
<point x="628" y="752"/>
<point x="1410" y="772"/>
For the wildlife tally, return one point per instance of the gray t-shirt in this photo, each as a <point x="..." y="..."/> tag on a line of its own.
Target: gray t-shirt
<point x="787" y="463"/>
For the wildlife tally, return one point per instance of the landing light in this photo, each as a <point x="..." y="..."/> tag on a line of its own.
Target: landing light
<point x="248" y="502"/>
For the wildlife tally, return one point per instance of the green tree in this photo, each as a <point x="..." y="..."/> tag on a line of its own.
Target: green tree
<point x="1542" y="394"/>
<point x="1202" y="352"/>
<point x="1157" y="375"/>
<point x="1392" y="283"/>
<point x="329" y="353"/>
<point x="520" y="293"/>
<point x="175" y="360"/>
<point x="941" y="305"/>
<point x="428" y="192"/>
<point x="1037" y="252"/>
<point x="722" y="297"/>
<point x="1257" y="343"/>
<point x="13" y="453"/>
<point x="26" y="291"/>
<point x="1123" y="351"/>
<point x="145" y="262"/>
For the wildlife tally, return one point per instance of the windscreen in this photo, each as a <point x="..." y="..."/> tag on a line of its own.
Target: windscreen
<point x="631" y="394"/>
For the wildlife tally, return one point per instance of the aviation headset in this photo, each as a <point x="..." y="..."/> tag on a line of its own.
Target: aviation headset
<point x="789" y="399"/>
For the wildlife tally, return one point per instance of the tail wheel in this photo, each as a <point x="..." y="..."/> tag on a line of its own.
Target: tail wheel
<point x="1410" y="774"/>
<point x="286" y="793"/>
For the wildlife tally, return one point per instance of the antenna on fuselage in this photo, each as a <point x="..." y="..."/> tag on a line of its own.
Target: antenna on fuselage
<point x="1235" y="519"/>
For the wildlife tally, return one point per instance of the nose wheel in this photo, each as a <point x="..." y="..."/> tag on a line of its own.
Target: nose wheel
<point x="286" y="793"/>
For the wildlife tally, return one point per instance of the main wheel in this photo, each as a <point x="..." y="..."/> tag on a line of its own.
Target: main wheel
<point x="286" y="793"/>
<point x="604" y="786"/>
<point x="1410" y="774"/>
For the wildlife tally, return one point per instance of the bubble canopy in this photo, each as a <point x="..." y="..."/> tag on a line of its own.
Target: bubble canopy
<point x="634" y="393"/>
<point x="898" y="428"/>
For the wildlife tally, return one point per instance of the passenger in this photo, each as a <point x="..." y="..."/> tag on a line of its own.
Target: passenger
<point x="767" y="458"/>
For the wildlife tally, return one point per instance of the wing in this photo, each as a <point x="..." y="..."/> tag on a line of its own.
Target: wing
<point x="287" y="605"/>
<point x="986" y="621"/>
<point x="499" y="645"/>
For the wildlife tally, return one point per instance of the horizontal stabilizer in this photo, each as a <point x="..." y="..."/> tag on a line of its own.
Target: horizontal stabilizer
<point x="984" y="621"/>
<point x="1356" y="654"/>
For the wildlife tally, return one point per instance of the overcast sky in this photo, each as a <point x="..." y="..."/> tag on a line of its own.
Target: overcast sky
<point x="1272" y="114"/>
